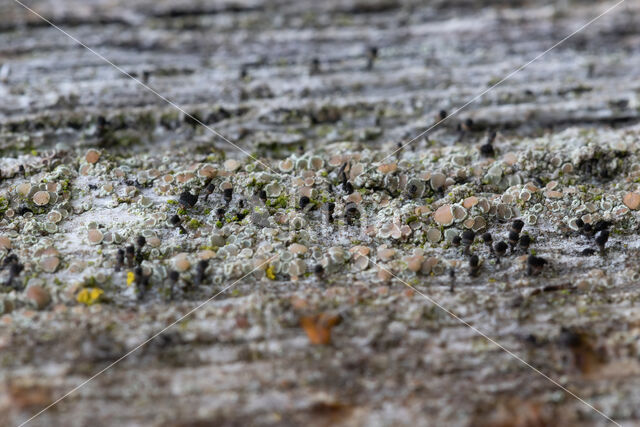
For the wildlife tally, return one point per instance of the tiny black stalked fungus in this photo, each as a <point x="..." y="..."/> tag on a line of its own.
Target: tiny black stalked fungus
<point x="579" y="223"/>
<point x="141" y="281"/>
<point x="487" y="239"/>
<point x="174" y="276"/>
<point x="452" y="279"/>
<point x="140" y="242"/>
<point x="491" y="136"/>
<point x="220" y="212"/>
<point x="500" y="249"/>
<point x="412" y="190"/>
<point x="468" y="236"/>
<point x="524" y="242"/>
<point x="351" y="212"/>
<point x="209" y="189"/>
<point x="14" y="271"/>
<point x="176" y="222"/>
<point x="101" y="124"/>
<point x="569" y="338"/>
<point x="318" y="270"/>
<point x="187" y="199"/>
<point x="201" y="268"/>
<point x="139" y="256"/>
<point x="517" y="225"/>
<point x="347" y="187"/>
<point x="351" y="209"/>
<point x="23" y="210"/>
<point x="456" y="241"/>
<point x="442" y="114"/>
<point x="474" y="265"/>
<point x="535" y="264"/>
<point x="399" y="149"/>
<point x="587" y="230"/>
<point x="487" y="150"/>
<point x="119" y="259"/>
<point x="9" y="259"/>
<point x="145" y="280"/>
<point x="588" y="252"/>
<point x="330" y="208"/>
<point x="602" y="237"/>
<point x="228" y="195"/>
<point x="304" y="201"/>
<point x="130" y="252"/>
<point x="514" y="236"/>
<point x="314" y="68"/>
<point x="372" y="54"/>
<point x="263" y="195"/>
<point x="244" y="72"/>
<point x="341" y="175"/>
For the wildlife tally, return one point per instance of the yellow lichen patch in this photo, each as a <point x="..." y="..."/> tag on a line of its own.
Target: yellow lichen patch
<point x="269" y="272"/>
<point x="89" y="296"/>
<point x="130" y="278"/>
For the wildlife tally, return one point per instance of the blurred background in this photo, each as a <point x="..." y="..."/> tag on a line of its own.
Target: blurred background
<point x="277" y="77"/>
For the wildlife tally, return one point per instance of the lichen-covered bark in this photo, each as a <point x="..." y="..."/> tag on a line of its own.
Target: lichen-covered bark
<point x="91" y="160"/>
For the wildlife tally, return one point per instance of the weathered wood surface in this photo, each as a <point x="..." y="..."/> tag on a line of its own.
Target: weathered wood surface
<point x="395" y="359"/>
